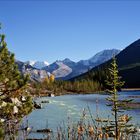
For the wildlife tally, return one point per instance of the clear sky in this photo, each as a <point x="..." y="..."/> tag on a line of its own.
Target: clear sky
<point x="76" y="29"/>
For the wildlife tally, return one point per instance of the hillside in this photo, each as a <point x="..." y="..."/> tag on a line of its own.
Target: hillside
<point x="129" y="66"/>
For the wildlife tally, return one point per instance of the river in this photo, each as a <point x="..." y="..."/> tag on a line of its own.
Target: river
<point x="60" y="108"/>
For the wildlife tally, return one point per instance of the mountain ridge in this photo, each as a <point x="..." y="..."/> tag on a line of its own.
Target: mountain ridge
<point x="128" y="61"/>
<point x="76" y="68"/>
<point x="63" y="69"/>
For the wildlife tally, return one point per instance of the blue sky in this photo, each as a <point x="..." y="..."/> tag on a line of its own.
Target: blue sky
<point x="54" y="30"/>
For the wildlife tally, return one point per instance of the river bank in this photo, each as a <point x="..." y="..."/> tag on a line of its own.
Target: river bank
<point x="84" y="93"/>
<point x="130" y="89"/>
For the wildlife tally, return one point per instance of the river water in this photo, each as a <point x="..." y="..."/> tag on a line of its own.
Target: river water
<point x="60" y="108"/>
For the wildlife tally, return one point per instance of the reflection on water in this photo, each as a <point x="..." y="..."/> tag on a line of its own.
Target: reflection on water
<point x="60" y="108"/>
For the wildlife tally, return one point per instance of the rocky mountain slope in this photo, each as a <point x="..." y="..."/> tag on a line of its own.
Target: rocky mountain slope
<point x="58" y="69"/>
<point x="64" y="69"/>
<point x="67" y="69"/>
<point x="35" y="74"/>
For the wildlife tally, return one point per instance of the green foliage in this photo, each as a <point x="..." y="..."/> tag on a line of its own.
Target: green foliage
<point x="13" y="86"/>
<point x="60" y="87"/>
<point x="113" y="79"/>
<point x="83" y="86"/>
<point x="97" y="76"/>
<point x="26" y="107"/>
<point x="10" y="78"/>
<point x="1" y="133"/>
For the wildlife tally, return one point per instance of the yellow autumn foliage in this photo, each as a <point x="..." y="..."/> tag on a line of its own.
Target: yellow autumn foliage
<point x="52" y="78"/>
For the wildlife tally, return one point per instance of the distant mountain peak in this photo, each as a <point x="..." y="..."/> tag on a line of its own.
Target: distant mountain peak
<point x="66" y="60"/>
<point x="30" y="62"/>
<point x="106" y="52"/>
<point x="37" y="64"/>
<point x="46" y="63"/>
<point x="100" y="57"/>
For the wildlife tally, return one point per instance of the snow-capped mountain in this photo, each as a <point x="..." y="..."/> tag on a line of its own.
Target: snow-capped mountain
<point x="84" y="65"/>
<point x="65" y="69"/>
<point x="99" y="58"/>
<point x="37" y="64"/>
<point x="35" y="74"/>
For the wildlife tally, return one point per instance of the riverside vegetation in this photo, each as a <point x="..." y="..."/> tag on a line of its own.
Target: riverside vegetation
<point x="95" y="82"/>
<point x="16" y="101"/>
<point x="65" y="87"/>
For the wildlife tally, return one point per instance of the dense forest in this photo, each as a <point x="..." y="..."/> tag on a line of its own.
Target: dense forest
<point x="60" y="87"/>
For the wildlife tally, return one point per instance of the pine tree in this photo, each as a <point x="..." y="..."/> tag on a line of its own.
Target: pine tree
<point x="14" y="100"/>
<point x="120" y="122"/>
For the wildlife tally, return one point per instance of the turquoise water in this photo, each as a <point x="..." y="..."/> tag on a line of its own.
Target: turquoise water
<point x="60" y="108"/>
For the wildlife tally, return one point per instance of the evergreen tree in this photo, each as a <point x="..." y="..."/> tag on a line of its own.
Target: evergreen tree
<point x="120" y="122"/>
<point x="14" y="100"/>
